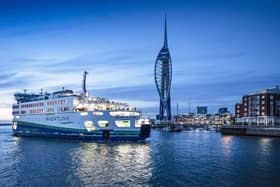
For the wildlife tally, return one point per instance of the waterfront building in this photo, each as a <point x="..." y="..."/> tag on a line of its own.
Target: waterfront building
<point x="163" y="75"/>
<point x="190" y="119"/>
<point x="201" y="109"/>
<point x="223" y="110"/>
<point x="259" y="108"/>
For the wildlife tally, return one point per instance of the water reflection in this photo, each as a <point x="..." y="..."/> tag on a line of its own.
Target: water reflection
<point x="169" y="159"/>
<point x="265" y="144"/>
<point x="73" y="163"/>
<point x="226" y="145"/>
<point x="264" y="149"/>
<point x="112" y="164"/>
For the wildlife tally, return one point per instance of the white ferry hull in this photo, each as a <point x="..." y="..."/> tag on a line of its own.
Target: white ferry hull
<point x="72" y="126"/>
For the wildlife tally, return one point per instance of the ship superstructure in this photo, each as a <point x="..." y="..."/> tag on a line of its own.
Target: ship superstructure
<point x="76" y="115"/>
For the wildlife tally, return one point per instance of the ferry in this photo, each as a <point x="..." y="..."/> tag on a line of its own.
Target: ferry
<point x="65" y="114"/>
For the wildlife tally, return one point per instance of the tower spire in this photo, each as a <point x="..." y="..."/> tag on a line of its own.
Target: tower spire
<point x="163" y="75"/>
<point x="165" y="45"/>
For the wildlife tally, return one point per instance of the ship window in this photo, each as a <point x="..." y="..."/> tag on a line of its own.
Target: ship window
<point x="124" y="113"/>
<point x="50" y="110"/>
<point x="83" y="113"/>
<point x="89" y="126"/>
<point x="15" y="112"/>
<point x="122" y="123"/>
<point x="14" y="125"/>
<point x="63" y="109"/>
<point x="103" y="123"/>
<point x="98" y="113"/>
<point x="138" y="123"/>
<point x="15" y="106"/>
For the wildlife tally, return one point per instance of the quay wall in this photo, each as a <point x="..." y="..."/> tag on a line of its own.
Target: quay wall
<point x="250" y="131"/>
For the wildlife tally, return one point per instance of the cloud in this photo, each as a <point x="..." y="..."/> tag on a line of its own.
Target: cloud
<point x="6" y="76"/>
<point x="121" y="76"/>
<point x="33" y="60"/>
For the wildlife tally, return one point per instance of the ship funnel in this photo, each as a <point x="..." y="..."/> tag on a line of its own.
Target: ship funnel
<point x="85" y="93"/>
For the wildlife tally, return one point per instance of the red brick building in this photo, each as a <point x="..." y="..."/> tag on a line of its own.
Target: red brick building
<point x="259" y="108"/>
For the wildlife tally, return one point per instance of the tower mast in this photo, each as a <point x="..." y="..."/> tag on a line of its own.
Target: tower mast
<point x="85" y="93"/>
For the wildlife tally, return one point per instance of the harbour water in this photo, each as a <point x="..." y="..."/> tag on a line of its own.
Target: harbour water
<point x="188" y="158"/>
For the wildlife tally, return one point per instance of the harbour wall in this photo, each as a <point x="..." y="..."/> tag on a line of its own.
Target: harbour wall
<point x="250" y="131"/>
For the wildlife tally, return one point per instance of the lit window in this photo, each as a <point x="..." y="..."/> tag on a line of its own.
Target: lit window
<point x="138" y="123"/>
<point x="14" y="125"/>
<point x="89" y="125"/>
<point x="64" y="109"/>
<point x="83" y="113"/>
<point x="122" y="123"/>
<point x="98" y="113"/>
<point x="124" y="113"/>
<point x="103" y="123"/>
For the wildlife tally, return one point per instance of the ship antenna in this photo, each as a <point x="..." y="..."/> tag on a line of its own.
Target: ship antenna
<point x="85" y="93"/>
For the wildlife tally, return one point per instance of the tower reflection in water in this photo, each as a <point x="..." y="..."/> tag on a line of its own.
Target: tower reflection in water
<point x="112" y="164"/>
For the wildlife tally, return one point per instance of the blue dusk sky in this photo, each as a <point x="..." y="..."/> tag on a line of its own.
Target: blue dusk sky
<point x="220" y="49"/>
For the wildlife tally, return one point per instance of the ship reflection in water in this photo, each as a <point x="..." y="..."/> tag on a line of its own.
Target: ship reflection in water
<point x="112" y="164"/>
<point x="188" y="158"/>
<point x="49" y="162"/>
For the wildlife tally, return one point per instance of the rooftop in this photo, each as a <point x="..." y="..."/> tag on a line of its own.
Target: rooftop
<point x="274" y="90"/>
